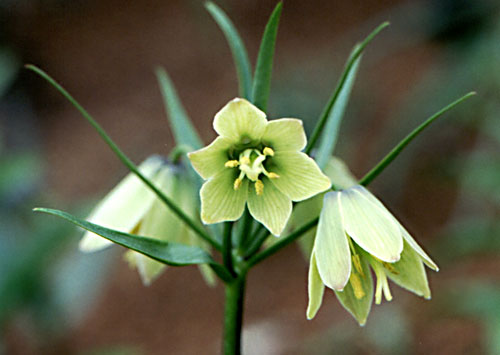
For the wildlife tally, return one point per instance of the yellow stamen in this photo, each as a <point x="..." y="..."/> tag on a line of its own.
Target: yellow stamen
<point x="231" y="164"/>
<point x="356" y="261"/>
<point x="237" y="184"/>
<point x="259" y="187"/>
<point x="272" y="176"/>
<point x="359" y="293"/>
<point x="390" y="268"/>
<point x="245" y="160"/>
<point x="268" y="151"/>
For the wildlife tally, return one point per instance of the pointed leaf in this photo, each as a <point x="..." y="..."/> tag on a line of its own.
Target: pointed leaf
<point x="167" y="253"/>
<point x="264" y="67"/>
<point x="182" y="128"/>
<point x="331" y="131"/>
<point x="318" y="129"/>
<point x="238" y="50"/>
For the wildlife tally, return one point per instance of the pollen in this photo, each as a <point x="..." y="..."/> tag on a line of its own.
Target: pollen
<point x="390" y="268"/>
<point x="237" y="183"/>
<point x="259" y="187"/>
<point x="359" y="293"/>
<point x="231" y="164"/>
<point x="273" y="176"/>
<point x="268" y="151"/>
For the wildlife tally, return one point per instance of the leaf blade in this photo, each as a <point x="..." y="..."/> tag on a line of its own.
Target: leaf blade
<point x="173" y="254"/>
<point x="180" y="124"/>
<point x="237" y="47"/>
<point x="262" y="77"/>
<point x="330" y="133"/>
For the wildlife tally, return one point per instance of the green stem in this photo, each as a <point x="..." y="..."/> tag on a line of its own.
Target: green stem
<point x="227" y="248"/>
<point x="326" y="112"/>
<point x="372" y="174"/>
<point x="282" y="243"/>
<point x="259" y="238"/>
<point x="126" y="161"/>
<point x="233" y="315"/>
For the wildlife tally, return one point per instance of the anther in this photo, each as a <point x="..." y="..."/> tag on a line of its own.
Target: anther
<point x="390" y="268"/>
<point x="268" y="151"/>
<point x="259" y="187"/>
<point x="359" y="293"/>
<point x="356" y="261"/>
<point x="245" y="160"/>
<point x="231" y="164"/>
<point x="237" y="183"/>
<point x="272" y="176"/>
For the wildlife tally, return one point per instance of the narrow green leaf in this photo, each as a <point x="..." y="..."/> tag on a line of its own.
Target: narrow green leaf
<point x="238" y="50"/>
<point x="182" y="128"/>
<point x="167" y="253"/>
<point x="126" y="160"/>
<point x="264" y="67"/>
<point x="331" y="131"/>
<point x="358" y="50"/>
<point x="372" y="174"/>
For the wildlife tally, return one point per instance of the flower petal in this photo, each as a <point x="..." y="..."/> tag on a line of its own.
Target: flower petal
<point x="414" y="245"/>
<point x="331" y="247"/>
<point x="220" y="201"/>
<point x="299" y="176"/>
<point x="210" y="160"/>
<point x="338" y="172"/>
<point x="426" y="258"/>
<point x="123" y="207"/>
<point x="240" y="121"/>
<point x="409" y="272"/>
<point x="370" y="226"/>
<point x="359" y="307"/>
<point x="285" y="134"/>
<point x="315" y="289"/>
<point x="272" y="208"/>
<point x="148" y="268"/>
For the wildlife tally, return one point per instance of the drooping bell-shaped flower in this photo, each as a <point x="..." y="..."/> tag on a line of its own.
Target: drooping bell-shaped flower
<point x="255" y="162"/>
<point x="356" y="232"/>
<point x="132" y="207"/>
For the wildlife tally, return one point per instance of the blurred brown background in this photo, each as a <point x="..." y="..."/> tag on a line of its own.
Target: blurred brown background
<point x="104" y="53"/>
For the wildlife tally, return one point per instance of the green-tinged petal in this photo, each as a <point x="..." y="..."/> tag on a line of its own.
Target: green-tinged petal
<point x="210" y="160"/>
<point x="426" y="258"/>
<point x="339" y="173"/>
<point x="285" y="134"/>
<point x="306" y="210"/>
<point x="220" y="201"/>
<point x="315" y="289"/>
<point x="370" y="226"/>
<point x="352" y="299"/>
<point x="272" y="208"/>
<point x="240" y="122"/>
<point x="413" y="244"/>
<point x="148" y="268"/>
<point x="409" y="272"/>
<point x="299" y="176"/>
<point x="123" y="207"/>
<point x="331" y="247"/>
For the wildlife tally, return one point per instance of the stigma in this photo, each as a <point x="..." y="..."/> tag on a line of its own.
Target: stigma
<point x="251" y="165"/>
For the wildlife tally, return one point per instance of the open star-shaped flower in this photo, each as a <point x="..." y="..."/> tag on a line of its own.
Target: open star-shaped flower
<point x="256" y="162"/>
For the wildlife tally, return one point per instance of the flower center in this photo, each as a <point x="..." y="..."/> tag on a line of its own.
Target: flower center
<point x="251" y="166"/>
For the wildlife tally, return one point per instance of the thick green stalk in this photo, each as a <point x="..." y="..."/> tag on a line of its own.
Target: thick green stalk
<point x="372" y="174"/>
<point x="233" y="315"/>
<point x="126" y="160"/>
<point x="227" y="248"/>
